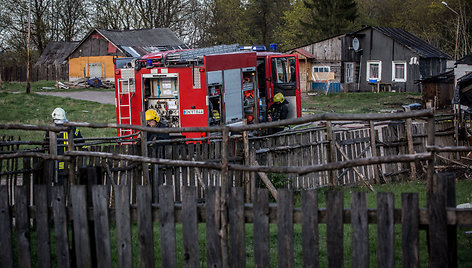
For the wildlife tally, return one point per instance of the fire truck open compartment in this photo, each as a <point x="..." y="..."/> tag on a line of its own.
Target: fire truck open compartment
<point x="161" y="93"/>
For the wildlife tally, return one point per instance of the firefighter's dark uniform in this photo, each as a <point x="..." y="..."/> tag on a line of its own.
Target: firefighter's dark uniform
<point x="278" y="111"/>
<point x="62" y="142"/>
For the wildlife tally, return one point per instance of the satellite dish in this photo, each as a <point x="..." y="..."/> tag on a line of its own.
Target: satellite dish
<point x="355" y="44"/>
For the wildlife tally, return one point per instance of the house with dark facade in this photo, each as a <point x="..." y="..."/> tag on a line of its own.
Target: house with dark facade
<point x="374" y="58"/>
<point x="93" y="56"/>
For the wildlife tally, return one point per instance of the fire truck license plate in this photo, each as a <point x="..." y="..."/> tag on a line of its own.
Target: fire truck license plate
<point x="193" y="111"/>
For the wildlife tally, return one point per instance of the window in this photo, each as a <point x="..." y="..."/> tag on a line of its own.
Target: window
<point x="374" y="71"/>
<point x="321" y="69"/>
<point x="283" y="69"/>
<point x="348" y="72"/>
<point x="399" y="71"/>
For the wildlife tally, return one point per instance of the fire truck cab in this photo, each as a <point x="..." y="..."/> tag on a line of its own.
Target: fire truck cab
<point x="204" y="87"/>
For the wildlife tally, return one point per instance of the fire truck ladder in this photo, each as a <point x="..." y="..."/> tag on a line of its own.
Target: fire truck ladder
<point x="124" y="103"/>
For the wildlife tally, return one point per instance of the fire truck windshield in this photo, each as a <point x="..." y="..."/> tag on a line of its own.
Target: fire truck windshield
<point x="283" y="70"/>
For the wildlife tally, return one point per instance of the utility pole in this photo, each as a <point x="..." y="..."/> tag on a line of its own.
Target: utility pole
<point x="457" y="28"/>
<point x="28" y="86"/>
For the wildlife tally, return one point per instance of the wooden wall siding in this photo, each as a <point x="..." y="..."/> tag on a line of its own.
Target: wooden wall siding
<point x="93" y="47"/>
<point x="112" y="222"/>
<point x="327" y="50"/>
<point x="42" y="72"/>
<point x="296" y="148"/>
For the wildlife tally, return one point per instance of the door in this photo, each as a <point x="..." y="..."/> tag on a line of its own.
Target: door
<point x="233" y="96"/>
<point x="95" y="70"/>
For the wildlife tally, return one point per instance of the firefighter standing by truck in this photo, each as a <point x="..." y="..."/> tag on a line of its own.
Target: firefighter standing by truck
<point x="154" y="120"/>
<point x="59" y="118"/>
<point x="277" y="111"/>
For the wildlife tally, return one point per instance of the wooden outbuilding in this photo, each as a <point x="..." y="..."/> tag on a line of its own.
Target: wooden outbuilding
<point x="93" y="56"/>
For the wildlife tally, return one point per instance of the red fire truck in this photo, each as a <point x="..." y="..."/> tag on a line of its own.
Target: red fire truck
<point x="205" y="87"/>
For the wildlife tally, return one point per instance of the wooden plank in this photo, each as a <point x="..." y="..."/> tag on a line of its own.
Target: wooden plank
<point x="60" y="226"/>
<point x="334" y="228"/>
<point x="145" y="232"/>
<point x="285" y="228"/>
<point x="450" y="190"/>
<point x="437" y="223"/>
<point x="81" y="231"/>
<point x="123" y="226"/>
<point x="410" y="230"/>
<point x="212" y="238"/>
<point x="385" y="230"/>
<point x="167" y="223"/>
<point x="22" y="226"/>
<point x="310" y="235"/>
<point x="237" y="231"/>
<point x="42" y="225"/>
<point x="102" y="230"/>
<point x="261" y="228"/>
<point x="360" y="230"/>
<point x="190" y="227"/>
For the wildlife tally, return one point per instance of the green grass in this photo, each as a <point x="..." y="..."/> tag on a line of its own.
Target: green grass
<point x="360" y="102"/>
<point x="36" y="109"/>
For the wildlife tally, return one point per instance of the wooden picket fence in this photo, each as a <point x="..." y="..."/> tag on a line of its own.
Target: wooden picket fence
<point x="73" y="233"/>
<point x="225" y="206"/>
<point x="42" y="72"/>
<point x="303" y="147"/>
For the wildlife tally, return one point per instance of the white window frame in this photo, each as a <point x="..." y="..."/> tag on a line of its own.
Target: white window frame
<point x="394" y="63"/>
<point x="325" y="69"/>
<point x="350" y="78"/>
<point x="368" y="76"/>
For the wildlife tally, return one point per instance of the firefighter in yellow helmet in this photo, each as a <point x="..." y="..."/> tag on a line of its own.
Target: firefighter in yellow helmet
<point x="154" y="120"/>
<point x="277" y="111"/>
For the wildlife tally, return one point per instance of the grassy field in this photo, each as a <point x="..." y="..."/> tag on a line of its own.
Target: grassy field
<point x="18" y="107"/>
<point x="20" y="87"/>
<point x="36" y="109"/>
<point x="359" y="102"/>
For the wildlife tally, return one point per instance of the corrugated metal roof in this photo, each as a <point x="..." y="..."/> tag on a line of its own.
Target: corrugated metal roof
<point x="142" y="38"/>
<point x="305" y="53"/>
<point x="136" y="43"/>
<point x="465" y="60"/>
<point x="56" y="52"/>
<point x="412" y="42"/>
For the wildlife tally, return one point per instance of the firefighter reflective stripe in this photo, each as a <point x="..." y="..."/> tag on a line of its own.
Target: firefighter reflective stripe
<point x="61" y="165"/>
<point x="76" y="132"/>
<point x="66" y="139"/>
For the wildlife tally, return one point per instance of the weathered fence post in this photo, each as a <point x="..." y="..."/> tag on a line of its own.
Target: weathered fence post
<point x="53" y="152"/>
<point x="6" y="241"/>
<point x="331" y="152"/>
<point x="225" y="186"/>
<point x="334" y="228"/>
<point x="70" y="148"/>
<point x="247" y="161"/>
<point x="450" y="181"/>
<point x="144" y="153"/>
<point x="409" y="138"/>
<point x="438" y="242"/>
<point x="373" y="148"/>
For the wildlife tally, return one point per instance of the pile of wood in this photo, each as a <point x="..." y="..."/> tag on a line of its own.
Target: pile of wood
<point x="82" y="83"/>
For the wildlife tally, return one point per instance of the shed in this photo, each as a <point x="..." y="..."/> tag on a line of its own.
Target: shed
<point x="93" y="56"/>
<point x="438" y="90"/>
<point x="304" y="60"/>
<point x="56" y="53"/>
